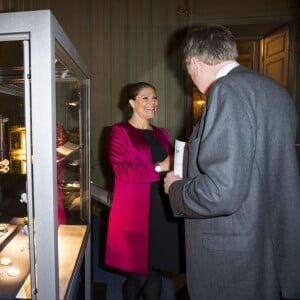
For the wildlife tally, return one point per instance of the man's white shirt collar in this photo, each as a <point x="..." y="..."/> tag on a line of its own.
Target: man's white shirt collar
<point x="226" y="69"/>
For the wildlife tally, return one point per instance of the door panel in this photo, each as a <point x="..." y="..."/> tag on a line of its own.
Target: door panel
<point x="275" y="55"/>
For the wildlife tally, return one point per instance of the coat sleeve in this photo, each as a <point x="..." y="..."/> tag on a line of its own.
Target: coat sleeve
<point x="131" y="160"/>
<point x="219" y="159"/>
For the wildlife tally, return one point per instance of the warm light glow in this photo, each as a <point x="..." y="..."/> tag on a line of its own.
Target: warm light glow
<point x="199" y="101"/>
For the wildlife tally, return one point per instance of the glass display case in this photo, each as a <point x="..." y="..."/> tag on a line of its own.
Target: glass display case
<point x="44" y="160"/>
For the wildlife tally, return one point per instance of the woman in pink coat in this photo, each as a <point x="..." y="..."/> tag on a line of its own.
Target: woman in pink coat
<point x="143" y="236"/>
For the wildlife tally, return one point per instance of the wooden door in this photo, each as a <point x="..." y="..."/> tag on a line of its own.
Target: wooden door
<point x="275" y="55"/>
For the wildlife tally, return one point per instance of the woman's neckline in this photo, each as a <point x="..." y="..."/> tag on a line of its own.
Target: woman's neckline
<point x="149" y="128"/>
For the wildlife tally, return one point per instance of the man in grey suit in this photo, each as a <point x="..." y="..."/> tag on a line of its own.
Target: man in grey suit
<point x="240" y="191"/>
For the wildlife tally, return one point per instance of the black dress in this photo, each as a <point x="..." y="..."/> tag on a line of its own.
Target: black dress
<point x="166" y="243"/>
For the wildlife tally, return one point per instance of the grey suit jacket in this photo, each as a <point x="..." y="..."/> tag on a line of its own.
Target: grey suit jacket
<point x="240" y="193"/>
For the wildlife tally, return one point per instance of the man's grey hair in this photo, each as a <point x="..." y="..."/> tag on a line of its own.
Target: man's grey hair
<point x="212" y="44"/>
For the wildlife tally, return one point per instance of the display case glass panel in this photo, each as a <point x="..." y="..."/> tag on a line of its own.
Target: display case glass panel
<point x="71" y="93"/>
<point x="44" y="160"/>
<point x="14" y="241"/>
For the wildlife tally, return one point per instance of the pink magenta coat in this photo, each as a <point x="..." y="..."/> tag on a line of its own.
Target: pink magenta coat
<point x="128" y="228"/>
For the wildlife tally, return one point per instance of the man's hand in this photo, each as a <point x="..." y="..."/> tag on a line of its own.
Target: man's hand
<point x="169" y="179"/>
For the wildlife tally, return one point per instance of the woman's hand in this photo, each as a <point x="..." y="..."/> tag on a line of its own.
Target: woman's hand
<point x="167" y="163"/>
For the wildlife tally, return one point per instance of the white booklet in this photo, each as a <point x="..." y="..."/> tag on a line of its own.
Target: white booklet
<point x="178" y="157"/>
<point x="67" y="148"/>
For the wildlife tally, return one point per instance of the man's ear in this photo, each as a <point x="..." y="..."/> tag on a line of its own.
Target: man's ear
<point x="195" y="62"/>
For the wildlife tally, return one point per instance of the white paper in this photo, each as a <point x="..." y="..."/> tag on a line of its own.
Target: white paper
<point x="178" y="157"/>
<point x="67" y="148"/>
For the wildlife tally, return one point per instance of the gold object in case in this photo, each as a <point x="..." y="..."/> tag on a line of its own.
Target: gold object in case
<point x="17" y="149"/>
